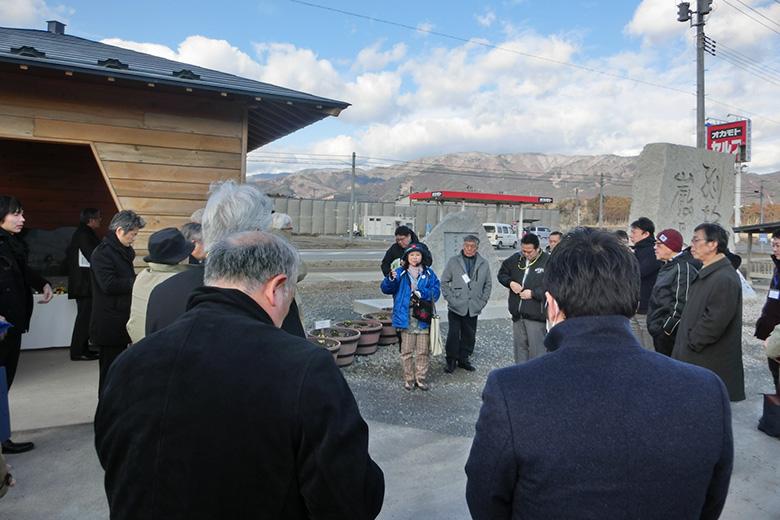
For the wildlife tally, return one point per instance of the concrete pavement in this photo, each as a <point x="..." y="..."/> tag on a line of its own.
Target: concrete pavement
<point x="53" y="402"/>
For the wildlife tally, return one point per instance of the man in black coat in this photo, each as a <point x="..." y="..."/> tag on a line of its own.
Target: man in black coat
<point x="670" y="291"/>
<point x="710" y="331"/>
<point x="643" y="241"/>
<point x="231" y="208"/>
<point x="224" y="415"/>
<point x="113" y="276"/>
<point x="404" y="237"/>
<point x="82" y="243"/>
<point x="523" y="274"/>
<point x="770" y="313"/>
<point x="599" y="427"/>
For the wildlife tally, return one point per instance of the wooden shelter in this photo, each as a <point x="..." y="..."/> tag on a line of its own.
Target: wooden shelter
<point x="85" y="124"/>
<point x="768" y="228"/>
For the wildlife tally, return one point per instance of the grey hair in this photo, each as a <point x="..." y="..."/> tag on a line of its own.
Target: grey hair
<point x="233" y="208"/>
<point x="192" y="231"/>
<point x="471" y="238"/>
<point x="250" y="259"/>
<point x="128" y="220"/>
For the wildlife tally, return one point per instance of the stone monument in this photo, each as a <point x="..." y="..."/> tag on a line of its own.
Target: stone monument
<point x="446" y="240"/>
<point x="681" y="187"/>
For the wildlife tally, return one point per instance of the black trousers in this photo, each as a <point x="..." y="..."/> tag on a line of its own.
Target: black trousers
<point x="108" y="353"/>
<point x="774" y="368"/>
<point x="10" y="348"/>
<point x="461" y="336"/>
<point x="79" y="341"/>
<point x="664" y="344"/>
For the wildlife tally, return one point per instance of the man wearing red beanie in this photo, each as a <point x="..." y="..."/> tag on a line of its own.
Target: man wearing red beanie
<point x="670" y="291"/>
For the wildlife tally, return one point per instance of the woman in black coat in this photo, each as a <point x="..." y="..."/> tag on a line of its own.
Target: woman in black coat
<point x="17" y="282"/>
<point x="113" y="276"/>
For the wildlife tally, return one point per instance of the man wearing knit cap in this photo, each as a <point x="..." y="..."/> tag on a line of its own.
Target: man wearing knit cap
<point x="670" y="291"/>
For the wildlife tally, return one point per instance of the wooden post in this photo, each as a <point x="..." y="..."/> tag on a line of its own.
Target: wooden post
<point x="748" y="270"/>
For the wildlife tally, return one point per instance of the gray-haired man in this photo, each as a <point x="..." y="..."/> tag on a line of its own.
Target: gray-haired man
<point x="254" y="422"/>
<point x="231" y="208"/>
<point x="466" y="285"/>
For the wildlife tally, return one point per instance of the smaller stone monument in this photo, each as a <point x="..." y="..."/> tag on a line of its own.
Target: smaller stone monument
<point x="446" y="240"/>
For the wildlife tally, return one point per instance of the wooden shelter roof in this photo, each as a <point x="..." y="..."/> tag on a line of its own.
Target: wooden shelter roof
<point x="273" y="111"/>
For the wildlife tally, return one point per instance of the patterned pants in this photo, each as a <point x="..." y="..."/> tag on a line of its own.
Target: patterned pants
<point x="419" y="346"/>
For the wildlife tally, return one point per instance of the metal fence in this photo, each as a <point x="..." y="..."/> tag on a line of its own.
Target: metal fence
<point x="329" y="217"/>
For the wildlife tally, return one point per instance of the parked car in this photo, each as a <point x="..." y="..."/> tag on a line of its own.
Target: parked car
<point x="500" y="235"/>
<point x="541" y="231"/>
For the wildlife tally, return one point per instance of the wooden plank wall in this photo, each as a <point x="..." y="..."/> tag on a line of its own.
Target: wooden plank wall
<point x="159" y="151"/>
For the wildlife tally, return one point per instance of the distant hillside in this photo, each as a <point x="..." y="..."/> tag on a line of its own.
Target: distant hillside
<point x="558" y="176"/>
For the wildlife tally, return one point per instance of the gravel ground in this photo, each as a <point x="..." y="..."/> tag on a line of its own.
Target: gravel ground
<point x="452" y="405"/>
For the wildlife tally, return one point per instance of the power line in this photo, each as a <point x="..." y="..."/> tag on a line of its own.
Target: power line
<point x="741" y="11"/>
<point x="746" y="67"/>
<point x="529" y="55"/>
<point x="487" y="45"/>
<point x="746" y="57"/>
<point x="759" y="13"/>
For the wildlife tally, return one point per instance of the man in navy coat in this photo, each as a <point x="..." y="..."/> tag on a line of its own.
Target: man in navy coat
<point x="599" y="427"/>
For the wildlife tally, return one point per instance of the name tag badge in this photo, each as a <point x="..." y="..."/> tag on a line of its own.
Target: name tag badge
<point x="774" y="294"/>
<point x="465" y="277"/>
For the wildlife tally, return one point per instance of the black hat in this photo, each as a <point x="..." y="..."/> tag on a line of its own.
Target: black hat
<point x="168" y="246"/>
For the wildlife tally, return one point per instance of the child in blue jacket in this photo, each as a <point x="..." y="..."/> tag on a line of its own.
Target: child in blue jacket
<point x="412" y="278"/>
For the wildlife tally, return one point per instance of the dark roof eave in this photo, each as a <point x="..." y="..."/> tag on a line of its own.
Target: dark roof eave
<point x="328" y="106"/>
<point x="758" y="228"/>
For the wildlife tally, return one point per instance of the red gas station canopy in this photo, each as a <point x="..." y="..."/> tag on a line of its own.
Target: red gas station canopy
<point x="485" y="198"/>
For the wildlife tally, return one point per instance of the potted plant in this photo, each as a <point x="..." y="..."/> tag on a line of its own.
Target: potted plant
<point x="332" y="344"/>
<point x="369" y="334"/>
<point x="388" y="335"/>
<point x="348" y="339"/>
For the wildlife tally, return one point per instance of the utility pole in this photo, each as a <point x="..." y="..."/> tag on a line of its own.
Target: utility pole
<point x="601" y="200"/>
<point x="577" y="196"/>
<point x="761" y="201"/>
<point x="684" y="14"/>
<point x="352" y="202"/>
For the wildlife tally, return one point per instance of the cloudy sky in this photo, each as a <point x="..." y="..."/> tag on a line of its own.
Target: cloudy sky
<point x="503" y="76"/>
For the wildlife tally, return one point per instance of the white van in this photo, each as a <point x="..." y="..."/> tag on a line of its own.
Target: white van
<point x="500" y="235"/>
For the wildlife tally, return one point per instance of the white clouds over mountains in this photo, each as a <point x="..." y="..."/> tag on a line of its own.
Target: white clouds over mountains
<point x="411" y="99"/>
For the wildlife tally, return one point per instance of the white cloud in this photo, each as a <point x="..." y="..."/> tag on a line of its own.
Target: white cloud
<point x="372" y="58"/>
<point x="486" y="19"/>
<point x="31" y="13"/>
<point x="474" y="98"/>
<point x="656" y="21"/>
<point x="424" y="28"/>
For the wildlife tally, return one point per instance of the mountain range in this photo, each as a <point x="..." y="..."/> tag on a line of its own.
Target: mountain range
<point x="558" y="176"/>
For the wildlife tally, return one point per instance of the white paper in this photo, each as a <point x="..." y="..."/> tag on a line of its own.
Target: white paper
<point x="322" y="324"/>
<point x="83" y="262"/>
<point x="774" y="294"/>
<point x="465" y="277"/>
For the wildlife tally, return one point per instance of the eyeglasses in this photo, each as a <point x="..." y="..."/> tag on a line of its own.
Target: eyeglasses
<point x="697" y="239"/>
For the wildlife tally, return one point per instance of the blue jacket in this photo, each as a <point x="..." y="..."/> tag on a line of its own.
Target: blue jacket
<point x="600" y="428"/>
<point x="401" y="289"/>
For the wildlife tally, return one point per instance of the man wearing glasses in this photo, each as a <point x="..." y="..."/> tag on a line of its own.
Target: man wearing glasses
<point x="710" y="331"/>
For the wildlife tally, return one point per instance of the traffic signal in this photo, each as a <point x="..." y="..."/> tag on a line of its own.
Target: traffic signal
<point x="705" y="6"/>
<point x="683" y="11"/>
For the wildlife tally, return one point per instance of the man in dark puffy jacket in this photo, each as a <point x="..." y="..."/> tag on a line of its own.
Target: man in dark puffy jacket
<point x="670" y="291"/>
<point x="523" y="274"/>
<point x="642" y="238"/>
